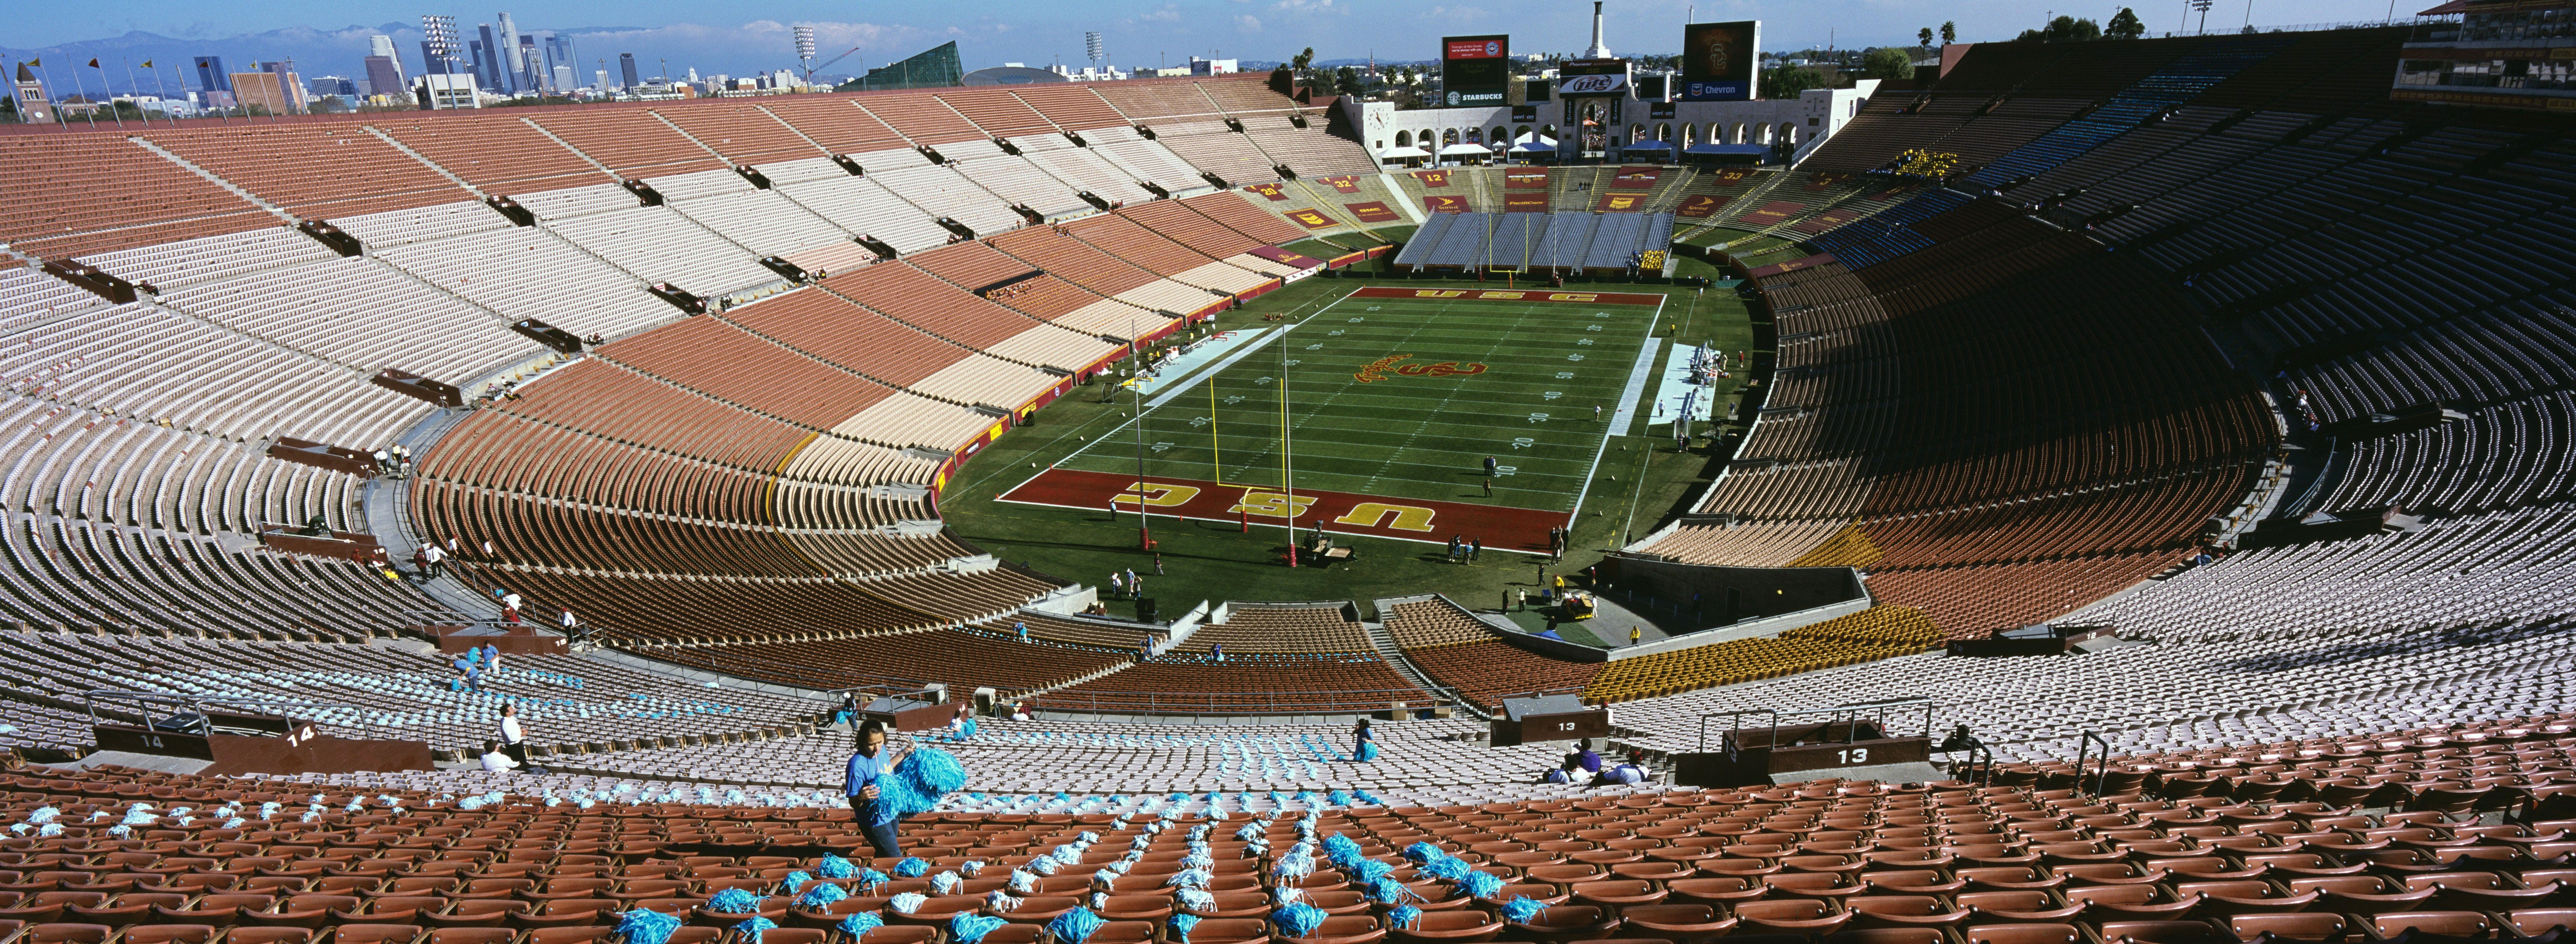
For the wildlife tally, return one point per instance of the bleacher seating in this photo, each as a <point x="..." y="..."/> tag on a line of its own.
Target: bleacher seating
<point x="1994" y="417"/>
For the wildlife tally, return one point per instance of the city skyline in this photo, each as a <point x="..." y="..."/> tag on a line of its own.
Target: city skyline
<point x="1137" y="32"/>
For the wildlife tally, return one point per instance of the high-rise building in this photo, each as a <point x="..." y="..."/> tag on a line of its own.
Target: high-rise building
<point x="512" y="64"/>
<point x="380" y="46"/>
<point x="211" y="76"/>
<point x="626" y="65"/>
<point x="532" y="64"/>
<point x="487" y="60"/>
<point x="383" y="76"/>
<point x="384" y="72"/>
<point x="440" y="51"/>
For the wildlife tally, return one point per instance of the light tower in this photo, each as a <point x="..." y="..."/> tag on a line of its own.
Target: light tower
<point x="1598" y="49"/>
<point x="805" y="51"/>
<point x="439" y="49"/>
<point x="1093" y="49"/>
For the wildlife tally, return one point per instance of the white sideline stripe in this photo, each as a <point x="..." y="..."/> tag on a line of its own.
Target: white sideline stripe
<point x="1627" y="407"/>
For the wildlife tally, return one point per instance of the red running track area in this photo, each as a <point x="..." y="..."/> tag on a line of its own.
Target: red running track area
<point x="1403" y="519"/>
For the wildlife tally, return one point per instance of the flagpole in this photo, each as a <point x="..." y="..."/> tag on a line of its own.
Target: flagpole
<point x="138" y="91"/>
<point x="59" y="120"/>
<point x="104" y="89"/>
<point x="157" y="86"/>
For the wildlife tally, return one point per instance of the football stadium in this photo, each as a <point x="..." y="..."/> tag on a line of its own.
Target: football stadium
<point x="2091" y="491"/>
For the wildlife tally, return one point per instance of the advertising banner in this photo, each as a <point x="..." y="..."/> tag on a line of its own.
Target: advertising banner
<point x="1719" y="59"/>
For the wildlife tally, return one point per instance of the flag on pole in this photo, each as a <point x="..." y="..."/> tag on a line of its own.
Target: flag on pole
<point x="93" y="64"/>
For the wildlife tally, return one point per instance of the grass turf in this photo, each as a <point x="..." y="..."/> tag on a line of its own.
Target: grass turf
<point x="1546" y="372"/>
<point x="1420" y="437"/>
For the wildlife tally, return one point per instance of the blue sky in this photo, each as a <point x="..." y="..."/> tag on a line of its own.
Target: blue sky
<point x="739" y="38"/>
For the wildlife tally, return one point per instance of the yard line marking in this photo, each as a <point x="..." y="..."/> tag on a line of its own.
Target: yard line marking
<point x="1627" y="408"/>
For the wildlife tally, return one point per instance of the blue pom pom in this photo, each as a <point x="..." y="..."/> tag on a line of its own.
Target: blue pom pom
<point x="911" y="867"/>
<point x="1075" y="927"/>
<point x="1298" y="919"/>
<point x="1481" y="884"/>
<point x="645" y="926"/>
<point x="794" y="882"/>
<point x="1403" y="916"/>
<point x="834" y="866"/>
<point x="1370" y="870"/>
<point x="1181" y="925"/>
<point x="1424" y="853"/>
<point x="1447" y="869"/>
<point x="751" y="929"/>
<point x="1388" y="891"/>
<point x="858" y="925"/>
<point x="970" y="928"/>
<point x="1522" y="908"/>
<point x="734" y="901"/>
<point x="822" y="896"/>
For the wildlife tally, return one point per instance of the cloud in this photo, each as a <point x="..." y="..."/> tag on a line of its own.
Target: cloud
<point x="1247" y="23"/>
<point x="1167" y="13"/>
<point x="1308" y="6"/>
<point x="1452" y="14"/>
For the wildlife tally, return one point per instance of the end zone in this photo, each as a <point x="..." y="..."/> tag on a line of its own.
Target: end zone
<point x="1561" y="296"/>
<point x="1403" y="519"/>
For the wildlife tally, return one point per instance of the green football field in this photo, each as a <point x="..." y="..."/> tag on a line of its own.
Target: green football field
<point x="1449" y="382"/>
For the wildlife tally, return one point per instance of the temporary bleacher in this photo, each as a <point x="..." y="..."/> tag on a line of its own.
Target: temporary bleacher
<point x="533" y="273"/>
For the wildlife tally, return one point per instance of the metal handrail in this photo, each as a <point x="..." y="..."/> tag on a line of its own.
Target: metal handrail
<point x="1738" y="718"/>
<point x="2082" y="750"/>
<point x="196" y="703"/>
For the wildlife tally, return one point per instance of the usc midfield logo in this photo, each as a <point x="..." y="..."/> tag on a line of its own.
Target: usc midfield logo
<point x="1377" y="369"/>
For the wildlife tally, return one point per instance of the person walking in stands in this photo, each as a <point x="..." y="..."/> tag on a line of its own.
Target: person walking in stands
<point x="490" y="552"/>
<point x="1216" y="651"/>
<point x="514" y="739"/>
<point x="868" y="763"/>
<point x="495" y="760"/>
<point x="1636" y="634"/>
<point x="1145" y="648"/>
<point x="491" y="658"/>
<point x="1021" y="627"/>
<point x="510" y="608"/>
<point x="571" y="628"/>
<point x="1363" y="742"/>
<point x="434" y="559"/>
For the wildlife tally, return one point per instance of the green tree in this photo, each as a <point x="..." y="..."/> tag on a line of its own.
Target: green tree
<point x="1302" y="60"/>
<point x="2065" y="29"/>
<point x="1949" y="32"/>
<point x="2125" y="25"/>
<point x="1788" y="81"/>
<point x="1887" y="62"/>
<point x="1923" y="38"/>
<point x="1346" y="81"/>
